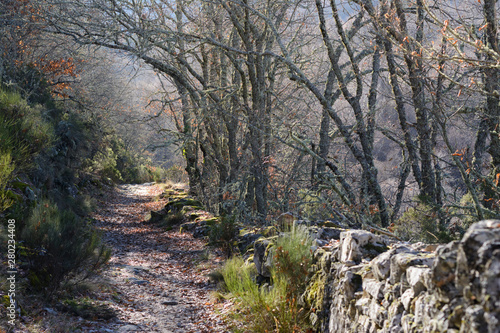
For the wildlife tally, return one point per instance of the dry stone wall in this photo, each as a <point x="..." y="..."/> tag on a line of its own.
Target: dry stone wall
<point x="364" y="282"/>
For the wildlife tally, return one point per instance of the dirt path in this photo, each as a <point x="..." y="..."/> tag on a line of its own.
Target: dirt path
<point x="157" y="279"/>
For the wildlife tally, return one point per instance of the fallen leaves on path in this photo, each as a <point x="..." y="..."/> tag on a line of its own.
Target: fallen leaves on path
<point x="158" y="280"/>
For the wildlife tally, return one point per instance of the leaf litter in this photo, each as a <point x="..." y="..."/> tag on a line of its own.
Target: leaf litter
<point x="157" y="279"/>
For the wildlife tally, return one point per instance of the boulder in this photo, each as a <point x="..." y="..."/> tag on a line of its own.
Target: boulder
<point x="263" y="257"/>
<point x="247" y="238"/>
<point x="157" y="216"/>
<point x="177" y="205"/>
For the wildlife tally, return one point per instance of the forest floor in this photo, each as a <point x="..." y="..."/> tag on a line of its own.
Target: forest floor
<point x="156" y="280"/>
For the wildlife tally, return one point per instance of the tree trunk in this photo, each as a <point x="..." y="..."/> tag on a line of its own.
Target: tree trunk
<point x="492" y="100"/>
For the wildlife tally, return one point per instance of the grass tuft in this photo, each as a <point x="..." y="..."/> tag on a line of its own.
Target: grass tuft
<point x="275" y="307"/>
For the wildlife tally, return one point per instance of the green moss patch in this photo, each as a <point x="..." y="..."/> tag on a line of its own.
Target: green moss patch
<point x="88" y="308"/>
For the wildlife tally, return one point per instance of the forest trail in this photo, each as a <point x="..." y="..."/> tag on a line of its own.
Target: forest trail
<point x="157" y="279"/>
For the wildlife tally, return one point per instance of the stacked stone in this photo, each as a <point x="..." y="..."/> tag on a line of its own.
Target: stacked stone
<point x="366" y="282"/>
<point x="414" y="287"/>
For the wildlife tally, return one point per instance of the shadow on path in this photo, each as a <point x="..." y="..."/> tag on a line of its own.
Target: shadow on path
<point x="159" y="278"/>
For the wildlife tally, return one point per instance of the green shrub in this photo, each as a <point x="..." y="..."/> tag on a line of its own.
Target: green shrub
<point x="23" y="135"/>
<point x="23" y="130"/>
<point x="293" y="257"/>
<point x="60" y="245"/>
<point x="239" y="277"/>
<point x="312" y="205"/>
<point x="223" y="234"/>
<point x="6" y="169"/>
<point x="466" y="213"/>
<point x="31" y="82"/>
<point x="421" y="223"/>
<point x="141" y="174"/>
<point x="88" y="308"/>
<point x="257" y="308"/>
<point x="272" y="308"/>
<point x="132" y="167"/>
<point x="8" y="99"/>
<point x="104" y="164"/>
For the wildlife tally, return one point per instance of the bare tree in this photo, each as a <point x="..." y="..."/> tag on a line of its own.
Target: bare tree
<point x="234" y="70"/>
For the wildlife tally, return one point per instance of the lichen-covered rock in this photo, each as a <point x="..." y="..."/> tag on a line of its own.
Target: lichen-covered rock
<point x="401" y="261"/>
<point x="247" y="238"/>
<point x="406" y="298"/>
<point x="443" y="270"/>
<point x="188" y="226"/>
<point x="177" y="205"/>
<point x="474" y="321"/>
<point x="202" y="230"/>
<point x="157" y="216"/>
<point x="381" y="265"/>
<point x="374" y="288"/>
<point x="182" y="205"/>
<point x="352" y="242"/>
<point x="314" y="296"/>
<point x="263" y="257"/>
<point x="418" y="278"/>
<point x="328" y="233"/>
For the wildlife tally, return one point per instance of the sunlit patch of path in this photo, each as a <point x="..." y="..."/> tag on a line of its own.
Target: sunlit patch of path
<point x="158" y="278"/>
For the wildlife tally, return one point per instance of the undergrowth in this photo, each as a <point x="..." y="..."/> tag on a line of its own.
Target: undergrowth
<point x="274" y="307"/>
<point x="421" y="223"/>
<point x="223" y="234"/>
<point x="59" y="245"/>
